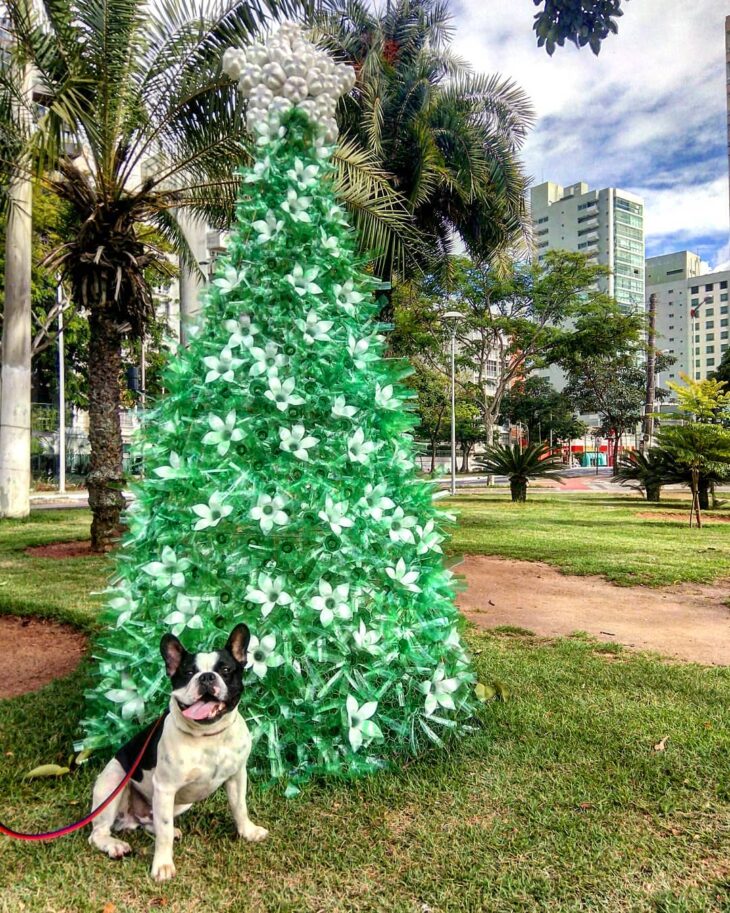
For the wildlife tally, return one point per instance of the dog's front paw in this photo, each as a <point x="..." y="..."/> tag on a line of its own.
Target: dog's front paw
<point x="113" y="848"/>
<point x="253" y="833"/>
<point x="163" y="870"/>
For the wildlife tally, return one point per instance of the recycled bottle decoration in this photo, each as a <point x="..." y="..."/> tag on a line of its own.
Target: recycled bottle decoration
<point x="280" y="483"/>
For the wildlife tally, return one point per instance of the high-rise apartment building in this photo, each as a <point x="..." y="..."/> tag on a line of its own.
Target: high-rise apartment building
<point x="607" y="224"/>
<point x="693" y="313"/>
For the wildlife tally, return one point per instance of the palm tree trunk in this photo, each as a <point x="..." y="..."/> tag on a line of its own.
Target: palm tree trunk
<point x="703" y="493"/>
<point x="653" y="492"/>
<point x="15" y="432"/>
<point x="518" y="489"/>
<point x="106" y="477"/>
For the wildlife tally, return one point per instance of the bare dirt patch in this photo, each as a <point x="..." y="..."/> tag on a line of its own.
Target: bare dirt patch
<point x="687" y="622"/>
<point x="679" y="516"/>
<point x="34" y="652"/>
<point x="74" y="549"/>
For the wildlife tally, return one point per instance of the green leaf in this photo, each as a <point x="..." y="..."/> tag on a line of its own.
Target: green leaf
<point x="46" y="770"/>
<point x="502" y="691"/>
<point x="484" y="692"/>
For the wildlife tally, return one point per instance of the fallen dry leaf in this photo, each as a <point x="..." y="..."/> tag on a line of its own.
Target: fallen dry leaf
<point x="109" y="908"/>
<point x="661" y="746"/>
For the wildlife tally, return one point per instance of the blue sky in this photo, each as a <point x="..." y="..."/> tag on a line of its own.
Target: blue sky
<point x="647" y="115"/>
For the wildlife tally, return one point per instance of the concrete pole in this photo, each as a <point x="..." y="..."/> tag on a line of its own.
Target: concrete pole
<point x="15" y="428"/>
<point x="453" y="410"/>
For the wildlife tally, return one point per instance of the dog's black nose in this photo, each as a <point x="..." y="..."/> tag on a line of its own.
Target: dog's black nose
<point x="206" y="678"/>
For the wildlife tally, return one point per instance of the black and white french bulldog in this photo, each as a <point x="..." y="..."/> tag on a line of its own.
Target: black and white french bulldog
<point x="202" y="744"/>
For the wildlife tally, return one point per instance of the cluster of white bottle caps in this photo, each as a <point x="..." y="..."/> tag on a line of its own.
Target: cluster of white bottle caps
<point x="289" y="71"/>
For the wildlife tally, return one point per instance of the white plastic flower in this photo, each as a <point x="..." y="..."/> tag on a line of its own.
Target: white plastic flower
<point x="259" y="172"/>
<point x="269" y="512"/>
<point x="281" y="393"/>
<point x="403" y="459"/>
<point x="268" y="228"/>
<point x="347" y="297"/>
<point x="129" y="697"/>
<point x="375" y="501"/>
<point x="296" y="441"/>
<point x="366" y="640"/>
<point x="268" y="130"/>
<point x="336" y="213"/>
<point x="123" y="603"/>
<point x="340" y="409"/>
<point x="223" y="432"/>
<point x="335" y="514"/>
<point x="261" y="656"/>
<point x="297" y="206"/>
<point x="400" y="526"/>
<point x="221" y="366"/>
<point x="438" y="690"/>
<point x="242" y="332"/>
<point x="269" y="593"/>
<point x="330" y="244"/>
<point x="385" y="398"/>
<point x="169" y="570"/>
<point x="428" y="538"/>
<point x="302" y="280"/>
<point x="313" y="329"/>
<point x="230" y="280"/>
<point x="405" y="577"/>
<point x="362" y="729"/>
<point x="267" y="360"/>
<point x="176" y="469"/>
<point x="213" y="512"/>
<point x="185" y="614"/>
<point x="304" y="175"/>
<point x="358" y="449"/>
<point x="331" y="602"/>
<point x="358" y="349"/>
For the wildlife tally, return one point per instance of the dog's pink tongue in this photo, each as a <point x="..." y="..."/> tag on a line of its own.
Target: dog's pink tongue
<point x="200" y="710"/>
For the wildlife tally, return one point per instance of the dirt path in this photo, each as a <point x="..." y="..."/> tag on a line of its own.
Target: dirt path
<point x="33" y="653"/>
<point x="687" y="622"/>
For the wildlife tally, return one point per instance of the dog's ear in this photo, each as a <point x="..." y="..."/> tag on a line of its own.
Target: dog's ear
<point x="172" y="652"/>
<point x="238" y="643"/>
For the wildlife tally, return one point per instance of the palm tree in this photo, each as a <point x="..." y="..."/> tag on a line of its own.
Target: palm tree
<point x="448" y="137"/>
<point x="700" y="453"/>
<point x="140" y="125"/>
<point x="646" y="471"/>
<point x="535" y="461"/>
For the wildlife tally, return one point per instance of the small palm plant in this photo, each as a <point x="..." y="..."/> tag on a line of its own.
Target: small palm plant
<point x="535" y="461"/>
<point x="645" y="471"/>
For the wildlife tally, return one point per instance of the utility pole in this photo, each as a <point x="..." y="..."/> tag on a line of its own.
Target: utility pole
<point x="647" y="431"/>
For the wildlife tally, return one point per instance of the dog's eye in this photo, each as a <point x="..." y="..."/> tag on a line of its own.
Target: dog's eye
<point x="225" y="670"/>
<point x="189" y="673"/>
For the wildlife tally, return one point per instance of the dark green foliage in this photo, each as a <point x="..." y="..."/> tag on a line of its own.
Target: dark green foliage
<point x="645" y="471"/>
<point x="520" y="465"/>
<point x="584" y="22"/>
<point x="449" y="138"/>
<point x="537" y="405"/>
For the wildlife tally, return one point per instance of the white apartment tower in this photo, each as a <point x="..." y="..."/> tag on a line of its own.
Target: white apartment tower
<point x="607" y="224"/>
<point x="693" y="313"/>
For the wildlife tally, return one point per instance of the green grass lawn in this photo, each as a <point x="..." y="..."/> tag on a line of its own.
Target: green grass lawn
<point x="596" y="534"/>
<point x="558" y="803"/>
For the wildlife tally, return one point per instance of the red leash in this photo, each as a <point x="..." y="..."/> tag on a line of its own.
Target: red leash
<point x="77" y="825"/>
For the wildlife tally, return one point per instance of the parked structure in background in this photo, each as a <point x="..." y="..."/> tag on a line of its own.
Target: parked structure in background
<point x="607" y="225"/>
<point x="692" y="313"/>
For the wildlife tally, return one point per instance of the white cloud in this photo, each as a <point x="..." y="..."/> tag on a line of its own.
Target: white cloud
<point x="647" y="114"/>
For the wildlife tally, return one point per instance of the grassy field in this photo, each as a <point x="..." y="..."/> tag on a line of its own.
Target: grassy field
<point x="560" y="802"/>
<point x="626" y="540"/>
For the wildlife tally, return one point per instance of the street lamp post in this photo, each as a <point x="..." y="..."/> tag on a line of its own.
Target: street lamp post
<point x="452" y="317"/>
<point x="61" y="393"/>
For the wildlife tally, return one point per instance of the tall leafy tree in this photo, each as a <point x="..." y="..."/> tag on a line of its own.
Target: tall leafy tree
<point x="515" y="319"/>
<point x="448" y="137"/>
<point x="140" y="125"/>
<point x="545" y="412"/>
<point x="584" y="22"/>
